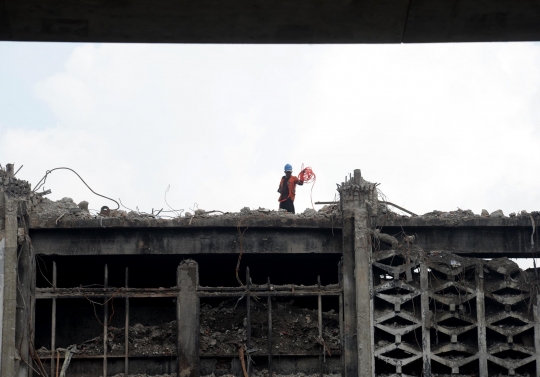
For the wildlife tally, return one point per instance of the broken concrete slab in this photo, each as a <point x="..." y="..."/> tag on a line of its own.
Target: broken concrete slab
<point x="503" y="266"/>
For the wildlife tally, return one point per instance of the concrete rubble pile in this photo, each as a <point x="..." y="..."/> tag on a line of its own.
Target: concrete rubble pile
<point x="66" y="209"/>
<point x="461" y="214"/>
<point x="143" y="341"/>
<point x="223" y="331"/>
<point x="295" y="329"/>
<point x="327" y="211"/>
<point x="146" y="375"/>
<point x="62" y="209"/>
<point x="15" y="187"/>
<point x="263" y="373"/>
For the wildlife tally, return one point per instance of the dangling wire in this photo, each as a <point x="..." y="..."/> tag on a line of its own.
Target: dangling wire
<point x="307" y="176"/>
<point x="44" y="179"/>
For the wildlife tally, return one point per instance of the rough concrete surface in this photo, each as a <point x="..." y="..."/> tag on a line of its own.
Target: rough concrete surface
<point x="66" y="209"/>
<point x="66" y="213"/>
<point x="143" y="341"/>
<point x="295" y="329"/>
<point x="263" y="373"/>
<point x="223" y="330"/>
<point x="422" y="301"/>
<point x="62" y="209"/>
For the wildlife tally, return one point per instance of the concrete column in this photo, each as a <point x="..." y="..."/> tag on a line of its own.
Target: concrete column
<point x="25" y="282"/>
<point x="349" y="347"/>
<point x="2" y="212"/>
<point x="364" y="290"/>
<point x="2" y="259"/>
<point x="358" y="205"/>
<point x="10" y="170"/>
<point x="2" y="253"/>
<point x="426" y="318"/>
<point x="187" y="316"/>
<point x="10" y="291"/>
<point x="481" y="321"/>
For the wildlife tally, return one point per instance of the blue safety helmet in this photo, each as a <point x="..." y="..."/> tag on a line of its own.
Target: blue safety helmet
<point x="288" y="167"/>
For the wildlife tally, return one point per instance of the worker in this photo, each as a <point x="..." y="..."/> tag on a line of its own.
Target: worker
<point x="287" y="189"/>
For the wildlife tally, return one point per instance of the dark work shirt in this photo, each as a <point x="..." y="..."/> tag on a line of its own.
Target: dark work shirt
<point x="285" y="189"/>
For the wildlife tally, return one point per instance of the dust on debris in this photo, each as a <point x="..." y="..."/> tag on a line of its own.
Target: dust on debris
<point x="223" y="331"/>
<point x="295" y="329"/>
<point x="64" y="209"/>
<point x="143" y="341"/>
<point x="145" y="375"/>
<point x="264" y="373"/>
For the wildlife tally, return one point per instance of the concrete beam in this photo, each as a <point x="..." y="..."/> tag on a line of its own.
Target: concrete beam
<point x="482" y="241"/>
<point x="184" y="241"/>
<point x="474" y="240"/>
<point x="281" y="21"/>
<point x="273" y="221"/>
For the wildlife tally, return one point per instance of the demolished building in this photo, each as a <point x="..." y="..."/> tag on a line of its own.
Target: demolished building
<point x="353" y="289"/>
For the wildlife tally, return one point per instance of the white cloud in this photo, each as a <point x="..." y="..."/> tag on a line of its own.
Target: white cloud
<point x="440" y="126"/>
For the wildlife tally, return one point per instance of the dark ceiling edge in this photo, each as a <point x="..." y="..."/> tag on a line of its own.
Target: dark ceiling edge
<point x="403" y="34"/>
<point x="5" y="23"/>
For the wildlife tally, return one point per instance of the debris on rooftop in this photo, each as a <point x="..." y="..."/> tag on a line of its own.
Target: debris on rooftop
<point x="64" y="208"/>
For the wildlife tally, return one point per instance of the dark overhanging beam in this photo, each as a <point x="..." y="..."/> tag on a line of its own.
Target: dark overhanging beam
<point x="280" y="21"/>
<point x="129" y="241"/>
<point x="481" y="237"/>
<point x="480" y="241"/>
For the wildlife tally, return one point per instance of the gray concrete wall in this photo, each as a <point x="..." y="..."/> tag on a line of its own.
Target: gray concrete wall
<point x="2" y="283"/>
<point x="10" y="292"/>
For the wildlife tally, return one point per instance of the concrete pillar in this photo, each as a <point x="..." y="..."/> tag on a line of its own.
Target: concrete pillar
<point x="187" y="316"/>
<point x="10" y="291"/>
<point x="25" y="281"/>
<point x="358" y="205"/>
<point x="2" y="253"/>
<point x="426" y="318"/>
<point x="10" y="170"/>
<point x="349" y="347"/>
<point x="481" y="321"/>
<point x="2" y="259"/>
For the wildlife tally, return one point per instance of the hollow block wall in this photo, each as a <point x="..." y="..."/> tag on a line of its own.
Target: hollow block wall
<point x="453" y="316"/>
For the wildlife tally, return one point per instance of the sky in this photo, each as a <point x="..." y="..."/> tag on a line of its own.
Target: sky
<point x="439" y="126"/>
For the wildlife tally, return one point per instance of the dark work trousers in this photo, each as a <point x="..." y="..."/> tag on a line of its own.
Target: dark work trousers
<point x="287" y="205"/>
